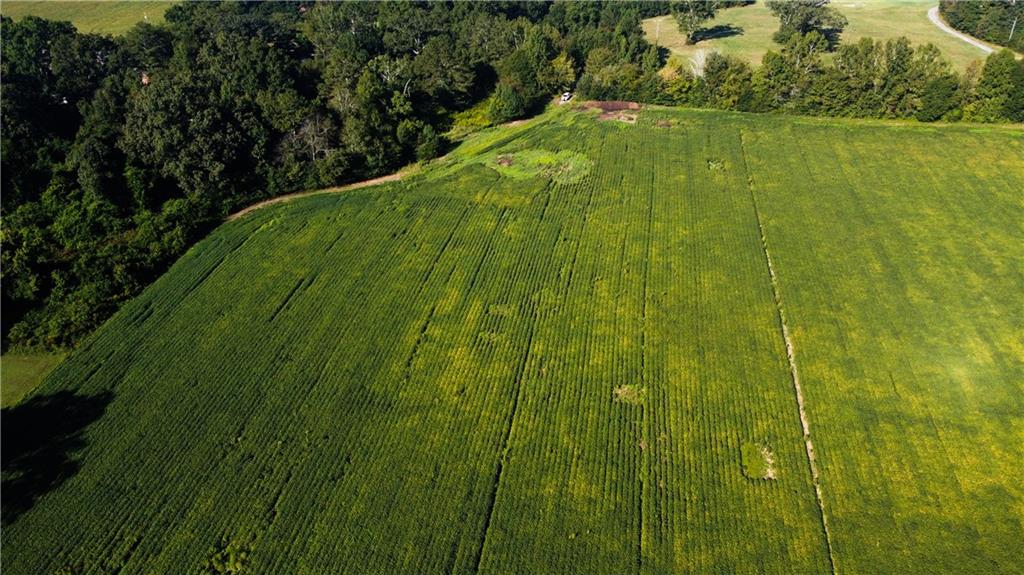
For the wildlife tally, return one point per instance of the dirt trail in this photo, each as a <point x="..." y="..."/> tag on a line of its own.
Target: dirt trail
<point x="794" y="373"/>
<point x="799" y="393"/>
<point x="933" y="15"/>
<point x="347" y="187"/>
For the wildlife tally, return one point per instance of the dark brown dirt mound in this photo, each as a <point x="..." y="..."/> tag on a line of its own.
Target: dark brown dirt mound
<point x="612" y="106"/>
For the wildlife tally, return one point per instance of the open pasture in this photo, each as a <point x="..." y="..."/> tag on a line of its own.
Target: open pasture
<point x="746" y="31"/>
<point x="561" y="350"/>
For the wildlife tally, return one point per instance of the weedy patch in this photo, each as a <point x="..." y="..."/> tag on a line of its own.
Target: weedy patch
<point x="491" y="336"/>
<point x="757" y="460"/>
<point x="228" y="558"/>
<point x="502" y="310"/>
<point x="631" y="394"/>
<point x="564" y="167"/>
<point x="715" y="164"/>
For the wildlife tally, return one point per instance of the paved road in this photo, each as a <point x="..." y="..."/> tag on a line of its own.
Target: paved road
<point x="933" y="15"/>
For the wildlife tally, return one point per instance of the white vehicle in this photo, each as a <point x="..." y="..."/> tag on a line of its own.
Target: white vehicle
<point x="566" y="96"/>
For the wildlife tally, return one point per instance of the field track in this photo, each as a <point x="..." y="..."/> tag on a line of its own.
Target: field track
<point x="289" y="197"/>
<point x="798" y="393"/>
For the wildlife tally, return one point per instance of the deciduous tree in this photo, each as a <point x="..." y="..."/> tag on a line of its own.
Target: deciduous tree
<point x="691" y="15"/>
<point x="804" y="16"/>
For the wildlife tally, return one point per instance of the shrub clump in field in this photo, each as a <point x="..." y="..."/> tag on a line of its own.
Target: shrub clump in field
<point x="757" y="460"/>
<point x="228" y="558"/>
<point x="631" y="394"/>
<point x="716" y="164"/>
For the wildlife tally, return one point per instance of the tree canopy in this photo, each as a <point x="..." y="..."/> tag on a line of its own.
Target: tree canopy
<point x="806" y="16"/>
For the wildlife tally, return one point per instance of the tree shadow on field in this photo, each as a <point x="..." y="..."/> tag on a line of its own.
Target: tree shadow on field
<point x="40" y="438"/>
<point x="719" y="31"/>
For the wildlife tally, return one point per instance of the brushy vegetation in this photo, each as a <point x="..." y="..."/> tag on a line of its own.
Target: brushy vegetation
<point x="469" y="372"/>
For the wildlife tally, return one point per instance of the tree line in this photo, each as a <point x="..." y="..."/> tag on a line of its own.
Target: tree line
<point x="119" y="152"/>
<point x="812" y="73"/>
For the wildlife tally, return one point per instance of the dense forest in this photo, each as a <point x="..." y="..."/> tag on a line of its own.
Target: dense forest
<point x="118" y="153"/>
<point x="998" y="21"/>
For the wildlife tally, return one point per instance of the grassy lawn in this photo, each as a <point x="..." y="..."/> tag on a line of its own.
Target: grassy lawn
<point x="560" y="350"/>
<point x="99" y="17"/>
<point x="879" y="19"/>
<point x="21" y="373"/>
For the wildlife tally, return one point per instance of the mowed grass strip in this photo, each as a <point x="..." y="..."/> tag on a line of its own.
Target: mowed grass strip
<point x="104" y="17"/>
<point x="20" y="373"/>
<point x="537" y="367"/>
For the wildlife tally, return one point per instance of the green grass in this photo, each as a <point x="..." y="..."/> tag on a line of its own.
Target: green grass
<point x="755" y="465"/>
<point x="477" y="371"/>
<point x="114" y="17"/>
<point x="878" y="19"/>
<point x="21" y="373"/>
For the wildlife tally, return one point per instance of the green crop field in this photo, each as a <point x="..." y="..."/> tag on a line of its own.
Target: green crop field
<point x="878" y="19"/>
<point x="572" y="346"/>
<point x="103" y="17"/>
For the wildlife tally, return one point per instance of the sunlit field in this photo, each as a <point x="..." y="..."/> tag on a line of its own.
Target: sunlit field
<point x="570" y="346"/>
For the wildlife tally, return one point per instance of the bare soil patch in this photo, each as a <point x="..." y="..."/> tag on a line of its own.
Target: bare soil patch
<point x="619" y="116"/>
<point x="611" y="106"/>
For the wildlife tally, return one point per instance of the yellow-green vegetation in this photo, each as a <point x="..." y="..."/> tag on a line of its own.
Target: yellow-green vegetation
<point x="20" y="373"/>
<point x="478" y="370"/>
<point x="114" y="17"/>
<point x="878" y="19"/>
<point x="470" y="120"/>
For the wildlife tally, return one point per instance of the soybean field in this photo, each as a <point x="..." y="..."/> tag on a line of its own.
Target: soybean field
<point x="659" y="341"/>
